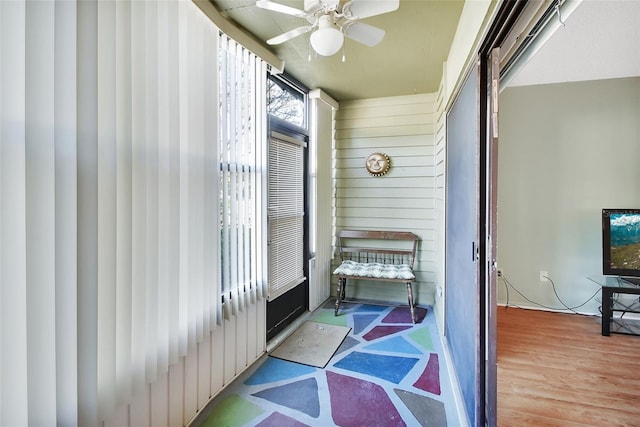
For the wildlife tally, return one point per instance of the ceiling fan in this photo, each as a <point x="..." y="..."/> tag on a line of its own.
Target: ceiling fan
<point x="332" y="20"/>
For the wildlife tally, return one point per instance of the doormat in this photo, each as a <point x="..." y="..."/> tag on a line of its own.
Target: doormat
<point x="312" y="344"/>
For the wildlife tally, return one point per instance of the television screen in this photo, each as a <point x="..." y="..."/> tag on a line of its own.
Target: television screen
<point x="621" y="242"/>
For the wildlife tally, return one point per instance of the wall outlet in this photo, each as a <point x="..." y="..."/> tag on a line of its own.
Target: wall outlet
<point x="500" y="272"/>
<point x="543" y="276"/>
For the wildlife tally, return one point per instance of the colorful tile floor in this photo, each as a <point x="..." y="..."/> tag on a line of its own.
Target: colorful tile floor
<point x="387" y="372"/>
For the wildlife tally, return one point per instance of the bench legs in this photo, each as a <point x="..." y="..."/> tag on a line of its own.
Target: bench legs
<point x="411" y="304"/>
<point x="342" y="284"/>
<point x="340" y="295"/>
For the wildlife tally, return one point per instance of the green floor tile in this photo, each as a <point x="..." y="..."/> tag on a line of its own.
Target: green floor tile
<point x="328" y="317"/>
<point x="233" y="411"/>
<point x="423" y="337"/>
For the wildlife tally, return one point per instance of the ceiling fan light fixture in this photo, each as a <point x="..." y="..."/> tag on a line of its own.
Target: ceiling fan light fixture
<point x="333" y="20"/>
<point x="327" y="39"/>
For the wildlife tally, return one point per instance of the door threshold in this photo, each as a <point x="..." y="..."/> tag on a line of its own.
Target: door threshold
<point x="286" y="332"/>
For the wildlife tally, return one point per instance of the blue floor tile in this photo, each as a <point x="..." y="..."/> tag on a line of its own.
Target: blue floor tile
<point x="395" y="345"/>
<point x="390" y="368"/>
<point x="276" y="369"/>
<point x="300" y="395"/>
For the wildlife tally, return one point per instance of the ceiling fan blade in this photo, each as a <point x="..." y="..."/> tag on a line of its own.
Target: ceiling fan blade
<point x="365" y="8"/>
<point x="364" y="33"/>
<point x="277" y="7"/>
<point x="290" y="35"/>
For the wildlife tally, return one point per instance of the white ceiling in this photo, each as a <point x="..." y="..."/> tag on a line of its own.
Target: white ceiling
<point x="601" y="40"/>
<point x="408" y="60"/>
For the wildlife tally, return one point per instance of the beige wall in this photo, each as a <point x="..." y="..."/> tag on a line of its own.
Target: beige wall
<point x="566" y="151"/>
<point x="403" y="199"/>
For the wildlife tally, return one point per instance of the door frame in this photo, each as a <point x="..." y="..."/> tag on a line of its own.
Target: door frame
<point x="501" y="48"/>
<point x="463" y="304"/>
<point x="489" y="63"/>
<point x="284" y="310"/>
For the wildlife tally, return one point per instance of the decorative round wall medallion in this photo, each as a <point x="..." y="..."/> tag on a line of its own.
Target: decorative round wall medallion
<point x="377" y="164"/>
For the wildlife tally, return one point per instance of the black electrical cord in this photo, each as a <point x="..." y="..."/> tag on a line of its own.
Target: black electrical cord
<point x="507" y="289"/>
<point x="507" y="305"/>
<point x="553" y="285"/>
<point x="572" y="309"/>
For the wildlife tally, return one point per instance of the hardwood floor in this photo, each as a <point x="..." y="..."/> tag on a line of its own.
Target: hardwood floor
<point x="556" y="369"/>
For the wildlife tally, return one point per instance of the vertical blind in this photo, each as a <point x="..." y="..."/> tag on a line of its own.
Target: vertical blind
<point x="38" y="263"/>
<point x="242" y="160"/>
<point x="109" y="200"/>
<point x="286" y="214"/>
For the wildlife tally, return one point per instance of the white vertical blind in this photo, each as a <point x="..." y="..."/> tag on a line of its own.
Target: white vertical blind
<point x="66" y="211"/>
<point x="124" y="191"/>
<point x="40" y="196"/>
<point x="109" y="215"/>
<point x="286" y="214"/>
<point x="241" y="165"/>
<point x="13" y="292"/>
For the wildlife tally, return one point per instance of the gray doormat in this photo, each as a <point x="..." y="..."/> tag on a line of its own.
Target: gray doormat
<point x="312" y="344"/>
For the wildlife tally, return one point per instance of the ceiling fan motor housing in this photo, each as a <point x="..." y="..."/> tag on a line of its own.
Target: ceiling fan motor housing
<point x="311" y="5"/>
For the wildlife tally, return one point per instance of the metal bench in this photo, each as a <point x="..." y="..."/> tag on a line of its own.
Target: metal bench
<point x="376" y="255"/>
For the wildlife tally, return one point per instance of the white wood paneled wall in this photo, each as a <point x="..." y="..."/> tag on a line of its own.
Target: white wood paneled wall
<point x="404" y="199"/>
<point x="440" y="181"/>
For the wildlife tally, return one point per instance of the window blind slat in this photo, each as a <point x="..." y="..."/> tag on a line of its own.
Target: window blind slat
<point x="286" y="216"/>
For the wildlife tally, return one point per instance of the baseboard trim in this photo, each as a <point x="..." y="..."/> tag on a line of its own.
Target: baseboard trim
<point x="532" y="307"/>
<point x="455" y="385"/>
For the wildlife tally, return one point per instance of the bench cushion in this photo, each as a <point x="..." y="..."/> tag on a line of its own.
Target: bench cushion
<point x="375" y="270"/>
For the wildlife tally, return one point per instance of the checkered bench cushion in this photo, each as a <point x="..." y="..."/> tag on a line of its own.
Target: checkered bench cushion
<point x="374" y="270"/>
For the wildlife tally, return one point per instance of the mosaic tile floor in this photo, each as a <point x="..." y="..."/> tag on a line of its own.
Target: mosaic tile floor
<point x="387" y="372"/>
